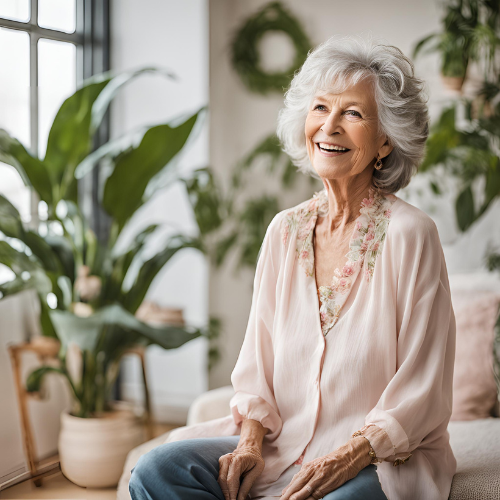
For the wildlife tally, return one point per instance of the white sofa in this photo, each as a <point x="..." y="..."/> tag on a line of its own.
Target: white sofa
<point x="476" y="445"/>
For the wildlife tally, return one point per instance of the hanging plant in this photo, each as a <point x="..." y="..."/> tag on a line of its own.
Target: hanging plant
<point x="245" y="52"/>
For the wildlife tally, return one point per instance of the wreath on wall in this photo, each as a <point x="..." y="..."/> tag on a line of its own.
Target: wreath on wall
<point x="245" y="54"/>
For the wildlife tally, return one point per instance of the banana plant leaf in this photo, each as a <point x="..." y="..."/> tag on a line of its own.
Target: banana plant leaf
<point x="70" y="137"/>
<point x="86" y="332"/>
<point x="125" y="187"/>
<point x="113" y="148"/>
<point x="133" y="298"/>
<point x="112" y="286"/>
<point x="29" y="274"/>
<point x="11" y="225"/>
<point x="31" y="169"/>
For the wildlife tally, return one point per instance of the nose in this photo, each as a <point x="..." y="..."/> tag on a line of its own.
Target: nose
<point x="332" y="124"/>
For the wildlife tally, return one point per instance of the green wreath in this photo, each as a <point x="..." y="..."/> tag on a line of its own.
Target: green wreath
<point x="245" y="55"/>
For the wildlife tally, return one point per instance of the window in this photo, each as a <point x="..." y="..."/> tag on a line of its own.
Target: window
<point x="47" y="48"/>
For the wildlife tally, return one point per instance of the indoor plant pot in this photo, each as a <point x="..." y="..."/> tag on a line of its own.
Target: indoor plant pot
<point x="92" y="451"/>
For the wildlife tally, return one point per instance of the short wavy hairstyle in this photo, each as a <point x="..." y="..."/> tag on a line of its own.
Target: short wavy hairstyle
<point x="403" y="115"/>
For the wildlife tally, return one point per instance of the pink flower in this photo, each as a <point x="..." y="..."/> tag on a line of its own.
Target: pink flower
<point x="304" y="254"/>
<point x="348" y="270"/>
<point x="369" y="236"/>
<point x="388" y="213"/>
<point x="358" y="225"/>
<point x="286" y="232"/>
<point x="368" y="202"/>
<point x="375" y="246"/>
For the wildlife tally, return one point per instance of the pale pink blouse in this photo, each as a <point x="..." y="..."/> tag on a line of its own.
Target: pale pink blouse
<point x="376" y="355"/>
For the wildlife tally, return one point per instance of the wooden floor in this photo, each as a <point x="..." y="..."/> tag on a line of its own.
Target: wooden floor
<point x="57" y="487"/>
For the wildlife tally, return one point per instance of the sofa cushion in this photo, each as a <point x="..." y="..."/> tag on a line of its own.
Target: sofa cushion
<point x="476" y="446"/>
<point x="474" y="388"/>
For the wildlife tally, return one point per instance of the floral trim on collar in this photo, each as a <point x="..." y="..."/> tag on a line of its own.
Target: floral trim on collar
<point x="366" y="243"/>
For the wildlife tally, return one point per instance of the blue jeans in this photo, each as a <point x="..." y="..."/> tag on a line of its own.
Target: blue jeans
<point x="189" y="469"/>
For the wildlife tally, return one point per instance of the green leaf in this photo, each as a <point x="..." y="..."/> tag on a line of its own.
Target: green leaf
<point x="12" y="226"/>
<point x="435" y="187"/>
<point x="223" y="246"/>
<point x="10" y="220"/>
<point x="112" y="286"/>
<point x="464" y="208"/>
<point x="422" y="43"/>
<point x="205" y="198"/>
<point x="32" y="170"/>
<point x="78" y="118"/>
<point x="86" y="332"/>
<point x="36" y="377"/>
<point x="124" y="189"/>
<point x="112" y="148"/>
<point x="25" y="268"/>
<point x="61" y="248"/>
<point x="133" y="298"/>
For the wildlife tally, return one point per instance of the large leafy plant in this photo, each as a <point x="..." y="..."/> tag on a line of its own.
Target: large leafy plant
<point x="469" y="151"/>
<point x="88" y="290"/>
<point x="469" y="34"/>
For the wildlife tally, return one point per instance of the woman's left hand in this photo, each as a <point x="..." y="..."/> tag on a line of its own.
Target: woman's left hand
<point x="325" y="474"/>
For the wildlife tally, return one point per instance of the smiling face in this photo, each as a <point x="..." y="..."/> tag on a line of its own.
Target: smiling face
<point x="342" y="132"/>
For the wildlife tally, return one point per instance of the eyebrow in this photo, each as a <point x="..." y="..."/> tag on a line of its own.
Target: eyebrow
<point x="351" y="103"/>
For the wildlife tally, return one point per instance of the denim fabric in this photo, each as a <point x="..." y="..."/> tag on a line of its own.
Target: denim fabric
<point x="188" y="470"/>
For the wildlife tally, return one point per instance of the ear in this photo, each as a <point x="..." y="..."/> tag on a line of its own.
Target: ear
<point x="385" y="149"/>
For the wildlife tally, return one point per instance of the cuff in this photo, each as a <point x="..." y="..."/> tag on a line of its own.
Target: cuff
<point x="383" y="446"/>
<point x="244" y="405"/>
<point x="393" y="440"/>
<point x="379" y="440"/>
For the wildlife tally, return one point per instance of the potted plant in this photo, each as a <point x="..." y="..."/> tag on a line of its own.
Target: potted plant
<point x="88" y="291"/>
<point x="470" y="30"/>
<point x="469" y="152"/>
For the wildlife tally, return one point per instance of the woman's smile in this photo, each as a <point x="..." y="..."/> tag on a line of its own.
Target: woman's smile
<point x="327" y="149"/>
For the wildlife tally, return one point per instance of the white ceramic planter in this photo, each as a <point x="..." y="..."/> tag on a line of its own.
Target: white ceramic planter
<point x="92" y="451"/>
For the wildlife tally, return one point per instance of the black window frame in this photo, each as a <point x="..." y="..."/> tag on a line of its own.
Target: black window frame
<point x="91" y="38"/>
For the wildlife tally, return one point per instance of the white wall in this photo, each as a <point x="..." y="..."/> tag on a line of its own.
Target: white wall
<point x="240" y="118"/>
<point x="173" y="35"/>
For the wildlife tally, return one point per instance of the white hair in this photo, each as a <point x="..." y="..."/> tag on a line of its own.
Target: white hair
<point x="403" y="116"/>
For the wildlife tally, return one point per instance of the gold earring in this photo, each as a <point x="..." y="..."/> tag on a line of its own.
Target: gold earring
<point x="378" y="165"/>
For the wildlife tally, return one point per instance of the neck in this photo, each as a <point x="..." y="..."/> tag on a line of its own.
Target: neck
<point x="344" y="201"/>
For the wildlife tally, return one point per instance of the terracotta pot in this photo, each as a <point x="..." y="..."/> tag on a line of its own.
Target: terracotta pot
<point x="92" y="451"/>
<point x="454" y="83"/>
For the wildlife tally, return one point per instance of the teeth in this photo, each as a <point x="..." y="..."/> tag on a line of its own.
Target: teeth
<point x="331" y="147"/>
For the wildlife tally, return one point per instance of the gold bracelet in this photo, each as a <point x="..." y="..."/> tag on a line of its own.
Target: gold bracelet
<point x="374" y="459"/>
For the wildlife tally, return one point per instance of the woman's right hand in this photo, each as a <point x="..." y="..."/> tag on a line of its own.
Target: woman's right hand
<point x="244" y="464"/>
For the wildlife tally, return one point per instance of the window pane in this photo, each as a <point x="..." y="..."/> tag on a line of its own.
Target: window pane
<point x="57" y="15"/>
<point x="15" y="106"/>
<point x="56" y="82"/>
<point x="19" y="10"/>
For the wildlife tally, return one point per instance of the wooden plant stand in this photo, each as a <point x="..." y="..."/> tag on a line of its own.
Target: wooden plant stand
<point x="46" y="350"/>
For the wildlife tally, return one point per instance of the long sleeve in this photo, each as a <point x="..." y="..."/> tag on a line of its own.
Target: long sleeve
<point x="418" y="399"/>
<point x="252" y="376"/>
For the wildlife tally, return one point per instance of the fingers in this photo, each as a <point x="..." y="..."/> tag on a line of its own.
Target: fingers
<point x="246" y="484"/>
<point x="222" y="479"/>
<point x="233" y="478"/>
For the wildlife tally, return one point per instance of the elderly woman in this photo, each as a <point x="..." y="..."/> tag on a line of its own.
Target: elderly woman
<point x="343" y="386"/>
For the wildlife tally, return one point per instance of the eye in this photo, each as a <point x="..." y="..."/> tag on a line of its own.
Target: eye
<point x="318" y="106"/>
<point x="353" y="112"/>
